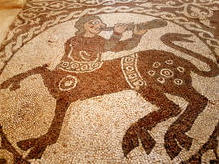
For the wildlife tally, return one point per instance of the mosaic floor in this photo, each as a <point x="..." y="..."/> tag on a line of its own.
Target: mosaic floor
<point x="110" y="81"/>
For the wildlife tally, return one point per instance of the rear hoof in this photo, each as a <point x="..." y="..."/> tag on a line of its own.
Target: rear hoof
<point x="147" y="141"/>
<point x="130" y="140"/>
<point x="171" y="145"/>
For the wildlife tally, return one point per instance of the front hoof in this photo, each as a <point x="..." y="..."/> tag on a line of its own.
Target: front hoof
<point x="11" y="84"/>
<point x="37" y="146"/>
<point x="5" y="85"/>
<point x="36" y="152"/>
<point x="27" y="144"/>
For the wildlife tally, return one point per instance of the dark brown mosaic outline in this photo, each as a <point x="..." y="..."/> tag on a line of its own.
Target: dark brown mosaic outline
<point x="129" y="149"/>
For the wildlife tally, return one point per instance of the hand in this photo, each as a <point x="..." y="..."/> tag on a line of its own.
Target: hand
<point x="139" y="32"/>
<point x="120" y="28"/>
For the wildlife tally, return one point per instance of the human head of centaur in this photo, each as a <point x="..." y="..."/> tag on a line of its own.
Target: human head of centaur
<point x="89" y="25"/>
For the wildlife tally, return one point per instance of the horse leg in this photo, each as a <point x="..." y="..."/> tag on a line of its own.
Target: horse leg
<point x="14" y="82"/>
<point x="176" y="132"/>
<point x="5" y="144"/>
<point x="167" y="109"/>
<point x="38" y="145"/>
<point x="211" y="144"/>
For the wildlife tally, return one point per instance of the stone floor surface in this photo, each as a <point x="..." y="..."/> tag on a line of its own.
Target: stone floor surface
<point x="109" y="81"/>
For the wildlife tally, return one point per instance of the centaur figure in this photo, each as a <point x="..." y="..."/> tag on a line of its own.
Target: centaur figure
<point x="83" y="51"/>
<point x="152" y="73"/>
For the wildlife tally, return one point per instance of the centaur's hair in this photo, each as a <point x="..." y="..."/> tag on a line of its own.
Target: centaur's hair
<point x="79" y="25"/>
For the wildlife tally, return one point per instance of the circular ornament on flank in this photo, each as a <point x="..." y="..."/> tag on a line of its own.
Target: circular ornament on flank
<point x="180" y="69"/>
<point x="167" y="73"/>
<point x="169" y="62"/>
<point x="178" y="81"/>
<point x="67" y="83"/>
<point x="151" y="72"/>
<point x="156" y="64"/>
<point x="161" y="80"/>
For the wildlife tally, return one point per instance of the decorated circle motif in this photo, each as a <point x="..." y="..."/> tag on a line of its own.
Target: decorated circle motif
<point x="156" y="64"/>
<point x="169" y="62"/>
<point x="129" y="68"/>
<point x="67" y="83"/>
<point x="132" y="76"/>
<point x="139" y="83"/>
<point x="161" y="80"/>
<point x="129" y="59"/>
<point x="167" y="73"/>
<point x="75" y="65"/>
<point x="65" y="64"/>
<point x="130" y="71"/>
<point x="151" y="72"/>
<point x="178" y="81"/>
<point x="84" y="67"/>
<point x="80" y="67"/>
<point x="181" y="69"/>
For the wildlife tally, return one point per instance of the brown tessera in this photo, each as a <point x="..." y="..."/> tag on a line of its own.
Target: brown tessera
<point x="109" y="81"/>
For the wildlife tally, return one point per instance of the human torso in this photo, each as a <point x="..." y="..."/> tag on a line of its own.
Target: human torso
<point x="85" y="49"/>
<point x="84" y="54"/>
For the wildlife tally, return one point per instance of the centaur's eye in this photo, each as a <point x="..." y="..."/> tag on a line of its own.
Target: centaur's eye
<point x="96" y="22"/>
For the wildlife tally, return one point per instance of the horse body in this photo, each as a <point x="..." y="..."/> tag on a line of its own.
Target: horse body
<point x="162" y="72"/>
<point x="107" y="79"/>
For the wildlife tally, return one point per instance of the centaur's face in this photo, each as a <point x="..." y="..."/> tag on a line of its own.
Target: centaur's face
<point x="94" y="26"/>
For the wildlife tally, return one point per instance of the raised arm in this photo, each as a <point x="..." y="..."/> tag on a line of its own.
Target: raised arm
<point x="115" y="37"/>
<point x="114" y="44"/>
